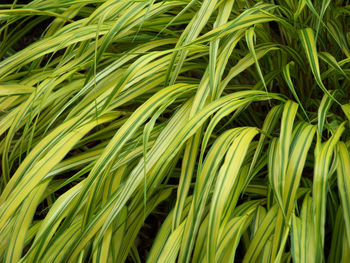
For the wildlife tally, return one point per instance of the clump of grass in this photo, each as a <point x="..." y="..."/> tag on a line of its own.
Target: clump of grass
<point x="188" y="131"/>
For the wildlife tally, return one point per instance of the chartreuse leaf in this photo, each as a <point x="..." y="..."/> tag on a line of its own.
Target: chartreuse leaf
<point x="262" y="235"/>
<point x="279" y="151"/>
<point x="51" y="222"/>
<point x="202" y="190"/>
<point x="164" y="234"/>
<point x="11" y="12"/>
<point x="190" y="156"/>
<point x="321" y="173"/>
<point x="19" y="187"/>
<point x="346" y="110"/>
<point x="325" y="4"/>
<point x="19" y="231"/>
<point x="323" y="109"/>
<point x="343" y="169"/>
<point x="346" y="250"/>
<point x="8" y="89"/>
<point x="338" y="238"/>
<point x="308" y="41"/>
<point x="125" y="132"/>
<point x="301" y="5"/>
<point x="301" y="141"/>
<point x="269" y="123"/>
<point x="189" y="34"/>
<point x="303" y="234"/>
<point x="331" y="61"/>
<point x="227" y="178"/>
<point x="287" y="159"/>
<point x="250" y="38"/>
<point x="248" y="18"/>
<point x="242" y="217"/>
<point x="302" y="138"/>
<point x="246" y="62"/>
<point x="221" y="19"/>
<point x="146" y="133"/>
<point x="172" y="246"/>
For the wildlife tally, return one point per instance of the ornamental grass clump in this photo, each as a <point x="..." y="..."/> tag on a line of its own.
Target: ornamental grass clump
<point x="174" y="131"/>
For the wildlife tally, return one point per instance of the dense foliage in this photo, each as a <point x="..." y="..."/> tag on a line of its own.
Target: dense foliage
<point x="175" y="130"/>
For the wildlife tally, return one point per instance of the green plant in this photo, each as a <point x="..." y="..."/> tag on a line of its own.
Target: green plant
<point x="224" y="122"/>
